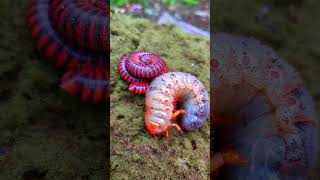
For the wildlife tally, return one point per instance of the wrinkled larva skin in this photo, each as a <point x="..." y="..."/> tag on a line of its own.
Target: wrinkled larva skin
<point x="168" y="88"/>
<point x="271" y="109"/>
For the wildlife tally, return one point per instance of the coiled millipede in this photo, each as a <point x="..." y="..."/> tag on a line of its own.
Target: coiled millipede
<point x="140" y="68"/>
<point x="75" y="33"/>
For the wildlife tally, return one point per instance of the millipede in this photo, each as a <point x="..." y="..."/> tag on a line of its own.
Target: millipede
<point x="140" y="68"/>
<point x="164" y="92"/>
<point x="260" y="109"/>
<point x="75" y="34"/>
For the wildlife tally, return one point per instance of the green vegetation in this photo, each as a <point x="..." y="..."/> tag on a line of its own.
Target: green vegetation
<point x="175" y="2"/>
<point x="124" y="2"/>
<point x="147" y="4"/>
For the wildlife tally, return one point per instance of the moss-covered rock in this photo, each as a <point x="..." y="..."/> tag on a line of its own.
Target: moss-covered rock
<point x="134" y="153"/>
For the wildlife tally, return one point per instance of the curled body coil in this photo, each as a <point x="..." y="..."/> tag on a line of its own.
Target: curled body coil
<point x="262" y="109"/>
<point x="139" y="68"/>
<point x="74" y="33"/>
<point x="162" y="95"/>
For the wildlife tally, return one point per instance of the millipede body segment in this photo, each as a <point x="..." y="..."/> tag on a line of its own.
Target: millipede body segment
<point x="75" y="33"/>
<point x="260" y="108"/>
<point x="162" y="95"/>
<point x="139" y="68"/>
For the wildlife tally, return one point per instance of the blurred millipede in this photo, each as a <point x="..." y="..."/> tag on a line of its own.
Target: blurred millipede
<point x="261" y="109"/>
<point x="162" y="95"/>
<point x="75" y="33"/>
<point x="139" y="68"/>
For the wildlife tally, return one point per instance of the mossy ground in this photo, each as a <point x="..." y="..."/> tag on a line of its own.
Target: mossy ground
<point x="44" y="133"/>
<point x="134" y="153"/>
<point x="293" y="33"/>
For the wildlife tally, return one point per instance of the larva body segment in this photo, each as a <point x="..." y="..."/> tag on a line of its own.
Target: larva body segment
<point x="74" y="33"/>
<point x="262" y="109"/>
<point x="169" y="88"/>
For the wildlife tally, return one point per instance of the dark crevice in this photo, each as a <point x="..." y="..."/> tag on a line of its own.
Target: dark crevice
<point x="34" y="174"/>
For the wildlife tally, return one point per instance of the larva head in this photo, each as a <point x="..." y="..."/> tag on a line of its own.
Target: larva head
<point x="155" y="125"/>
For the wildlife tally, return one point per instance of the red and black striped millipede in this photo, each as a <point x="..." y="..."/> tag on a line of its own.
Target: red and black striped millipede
<point x="140" y="68"/>
<point x="75" y="34"/>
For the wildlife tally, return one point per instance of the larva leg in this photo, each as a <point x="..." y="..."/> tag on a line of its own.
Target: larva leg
<point x="176" y="126"/>
<point x="227" y="157"/>
<point x="216" y="162"/>
<point x="167" y="131"/>
<point x="167" y="136"/>
<point x="233" y="158"/>
<point x="177" y="113"/>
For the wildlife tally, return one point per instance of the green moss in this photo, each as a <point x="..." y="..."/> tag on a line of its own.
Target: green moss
<point x="133" y="149"/>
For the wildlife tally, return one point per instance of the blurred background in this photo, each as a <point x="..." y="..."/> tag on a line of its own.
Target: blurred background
<point x="192" y="16"/>
<point x="290" y="27"/>
<point x="44" y="132"/>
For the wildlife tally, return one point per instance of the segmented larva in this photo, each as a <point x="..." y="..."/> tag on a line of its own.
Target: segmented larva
<point x="139" y="68"/>
<point x="261" y="108"/>
<point x="162" y="95"/>
<point x="75" y="33"/>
